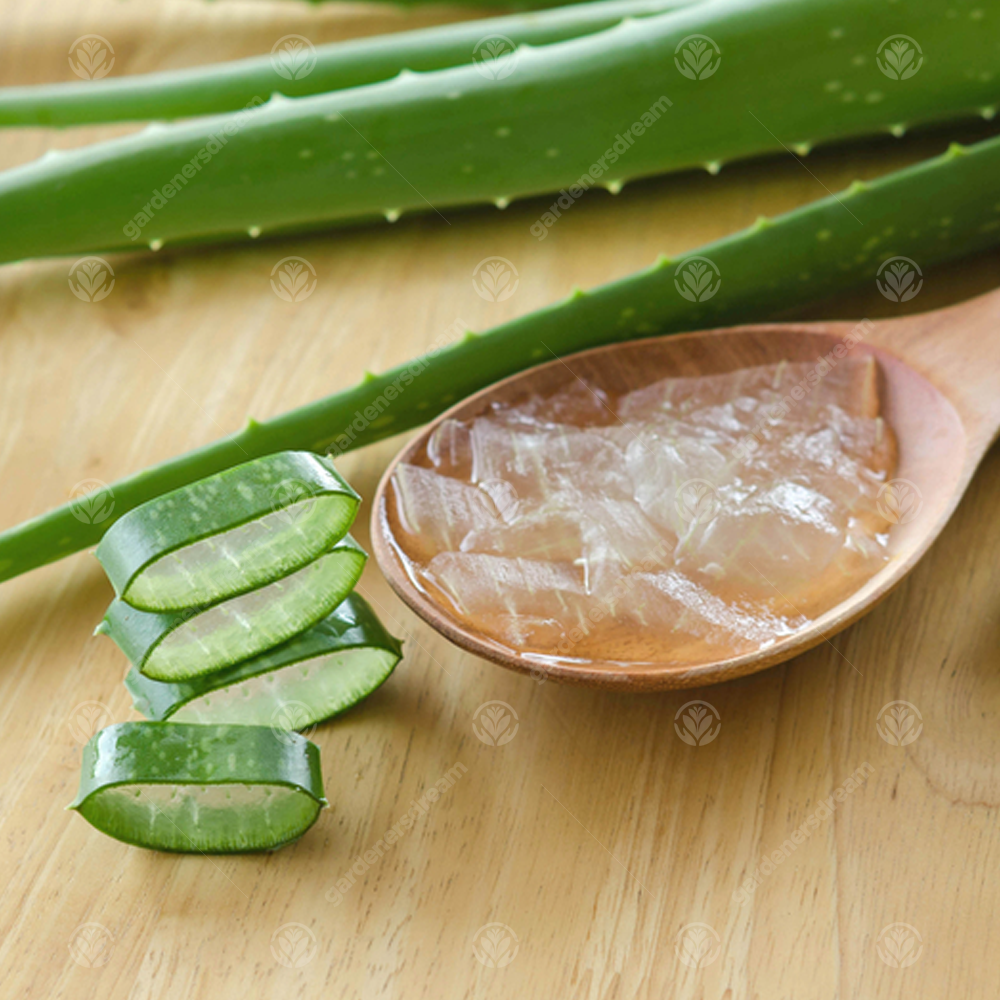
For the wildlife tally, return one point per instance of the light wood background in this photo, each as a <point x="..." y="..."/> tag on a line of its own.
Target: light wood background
<point x="595" y="836"/>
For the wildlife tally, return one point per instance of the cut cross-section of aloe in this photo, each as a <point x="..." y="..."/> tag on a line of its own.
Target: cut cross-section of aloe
<point x="211" y="789"/>
<point x="313" y="676"/>
<point x="228" y="533"/>
<point x="172" y="646"/>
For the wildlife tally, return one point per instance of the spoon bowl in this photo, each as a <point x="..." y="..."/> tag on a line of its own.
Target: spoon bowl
<point x="939" y="375"/>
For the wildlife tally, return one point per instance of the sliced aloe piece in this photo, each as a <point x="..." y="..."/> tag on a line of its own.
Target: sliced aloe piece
<point x="315" y="675"/>
<point x="228" y="533"/>
<point x="172" y="646"/>
<point x="212" y="789"/>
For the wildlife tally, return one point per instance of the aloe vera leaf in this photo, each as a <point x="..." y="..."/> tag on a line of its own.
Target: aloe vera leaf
<point x="228" y="533"/>
<point x="455" y="137"/>
<point x="815" y="250"/>
<point x="313" y="676"/>
<point x="512" y="4"/>
<point x="211" y="789"/>
<point x="233" y="85"/>
<point x="177" y="645"/>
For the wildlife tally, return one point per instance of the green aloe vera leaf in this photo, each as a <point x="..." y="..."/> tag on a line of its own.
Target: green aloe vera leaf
<point x="536" y="121"/>
<point x="229" y="533"/>
<point x="207" y="789"/>
<point x="931" y="212"/>
<point x="512" y="4"/>
<point x="177" y="645"/>
<point x="233" y="85"/>
<point x="311" y="677"/>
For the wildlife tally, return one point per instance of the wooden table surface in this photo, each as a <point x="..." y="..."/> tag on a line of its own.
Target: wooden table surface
<point x="594" y="849"/>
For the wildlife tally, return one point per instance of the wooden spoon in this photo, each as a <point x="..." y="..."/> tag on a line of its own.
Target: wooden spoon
<point x="940" y="393"/>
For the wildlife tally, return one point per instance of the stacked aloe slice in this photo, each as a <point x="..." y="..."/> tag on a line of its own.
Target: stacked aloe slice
<point x="235" y="608"/>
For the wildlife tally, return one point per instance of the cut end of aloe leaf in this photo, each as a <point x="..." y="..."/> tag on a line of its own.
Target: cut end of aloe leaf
<point x="177" y="646"/>
<point x="295" y="696"/>
<point x="206" y="789"/>
<point x="229" y="533"/>
<point x="314" y="676"/>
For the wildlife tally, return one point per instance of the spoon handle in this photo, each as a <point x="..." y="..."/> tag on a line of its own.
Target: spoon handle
<point x="958" y="350"/>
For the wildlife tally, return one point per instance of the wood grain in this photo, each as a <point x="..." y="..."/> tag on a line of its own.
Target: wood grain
<point x="595" y="834"/>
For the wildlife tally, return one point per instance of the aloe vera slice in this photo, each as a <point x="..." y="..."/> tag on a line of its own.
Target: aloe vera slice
<point x="171" y="646"/>
<point x="228" y="533"/>
<point x="211" y="789"/>
<point x="315" y="675"/>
